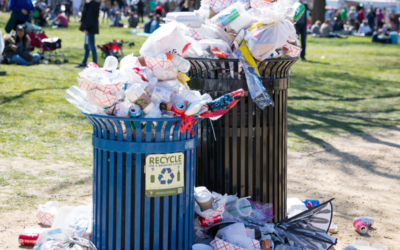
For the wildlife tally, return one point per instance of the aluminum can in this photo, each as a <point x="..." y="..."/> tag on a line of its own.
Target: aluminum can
<point x="28" y="239"/>
<point x="178" y="108"/>
<point x="311" y="203"/>
<point x="135" y="111"/>
<point x="360" y="226"/>
<point x="369" y="221"/>
<point x="206" y="223"/>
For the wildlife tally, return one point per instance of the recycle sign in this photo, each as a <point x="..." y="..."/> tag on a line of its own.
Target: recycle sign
<point x="163" y="176"/>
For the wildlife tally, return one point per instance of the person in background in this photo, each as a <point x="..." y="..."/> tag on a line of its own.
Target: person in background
<point x="20" y="10"/>
<point x="364" y="29"/>
<point x="55" y="10"/>
<point x="328" y="14"/>
<point x="361" y="15"/>
<point x="343" y="14"/>
<point x="16" y="48"/>
<point x="140" y="9"/>
<point x="371" y="18"/>
<point x="387" y="18"/>
<point x="106" y="11"/>
<point x="172" y="5"/>
<point x="326" y="30"/>
<point x="114" y="9"/>
<point x="68" y="8"/>
<point x="133" y="19"/>
<point x="379" y="18"/>
<point x="189" y="5"/>
<point x="335" y="26"/>
<point x="90" y="26"/>
<point x="301" y="30"/>
<point x="61" y="20"/>
<point x="352" y="15"/>
<point x="155" y="24"/>
<point x="117" y="20"/>
<point x="166" y="8"/>
<point x="147" y="24"/>
<point x="159" y="10"/>
<point x="76" y="6"/>
<point x="315" y="29"/>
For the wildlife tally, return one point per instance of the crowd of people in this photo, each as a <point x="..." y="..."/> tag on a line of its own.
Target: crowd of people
<point x="357" y="21"/>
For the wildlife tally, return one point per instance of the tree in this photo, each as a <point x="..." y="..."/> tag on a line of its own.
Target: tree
<point x="318" y="12"/>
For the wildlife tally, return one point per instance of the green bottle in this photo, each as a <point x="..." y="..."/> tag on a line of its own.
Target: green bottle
<point x="179" y="175"/>
<point x="152" y="178"/>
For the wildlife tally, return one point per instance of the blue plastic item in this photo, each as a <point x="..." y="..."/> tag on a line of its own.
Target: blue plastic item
<point x="394" y="37"/>
<point x="123" y="214"/>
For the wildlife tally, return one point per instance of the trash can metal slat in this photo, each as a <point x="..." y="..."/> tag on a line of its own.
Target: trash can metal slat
<point x="124" y="217"/>
<point x="254" y="142"/>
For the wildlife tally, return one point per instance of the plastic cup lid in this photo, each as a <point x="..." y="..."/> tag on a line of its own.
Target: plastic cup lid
<point x="202" y="194"/>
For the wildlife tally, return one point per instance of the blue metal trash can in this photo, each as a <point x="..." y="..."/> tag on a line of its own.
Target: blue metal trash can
<point x="125" y="217"/>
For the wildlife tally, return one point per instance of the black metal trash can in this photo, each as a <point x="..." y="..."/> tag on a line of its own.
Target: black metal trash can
<point x="249" y="155"/>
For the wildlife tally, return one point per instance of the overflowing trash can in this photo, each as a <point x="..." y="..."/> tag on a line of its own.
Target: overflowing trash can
<point x="244" y="152"/>
<point x="143" y="183"/>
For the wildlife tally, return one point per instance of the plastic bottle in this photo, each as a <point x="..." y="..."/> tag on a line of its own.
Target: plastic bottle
<point x="180" y="63"/>
<point x="161" y="95"/>
<point x="77" y="97"/>
<point x="228" y="15"/>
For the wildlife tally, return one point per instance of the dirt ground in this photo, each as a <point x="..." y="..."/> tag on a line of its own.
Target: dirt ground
<point x="361" y="171"/>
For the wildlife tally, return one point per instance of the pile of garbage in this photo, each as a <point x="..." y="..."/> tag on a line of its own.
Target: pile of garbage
<point x="221" y="26"/>
<point x="228" y="222"/>
<point x="68" y="228"/>
<point x="145" y="87"/>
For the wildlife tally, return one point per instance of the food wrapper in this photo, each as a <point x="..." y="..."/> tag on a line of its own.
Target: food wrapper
<point x="112" y="89"/>
<point x="218" y="5"/>
<point x="47" y="212"/>
<point x="255" y="4"/>
<point x="201" y="237"/>
<point x="208" y="214"/>
<point x="101" y="99"/>
<point x="218" y="244"/>
<point x="154" y="62"/>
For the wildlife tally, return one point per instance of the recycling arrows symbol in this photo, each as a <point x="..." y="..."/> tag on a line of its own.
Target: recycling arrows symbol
<point x="162" y="179"/>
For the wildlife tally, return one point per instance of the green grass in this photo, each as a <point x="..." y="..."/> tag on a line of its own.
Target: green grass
<point x="348" y="85"/>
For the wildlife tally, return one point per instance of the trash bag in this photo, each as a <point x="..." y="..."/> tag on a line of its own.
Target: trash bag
<point x="62" y="239"/>
<point x="235" y="234"/>
<point x="263" y="39"/>
<point x="170" y="39"/>
<point x="273" y="13"/>
<point x="46" y="212"/>
<point x="78" y="218"/>
<point x="215" y="48"/>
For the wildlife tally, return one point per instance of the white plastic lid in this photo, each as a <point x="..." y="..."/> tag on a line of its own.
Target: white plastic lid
<point x="202" y="194"/>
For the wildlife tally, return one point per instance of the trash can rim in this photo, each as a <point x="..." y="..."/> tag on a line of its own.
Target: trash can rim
<point x="131" y="119"/>
<point x="236" y="60"/>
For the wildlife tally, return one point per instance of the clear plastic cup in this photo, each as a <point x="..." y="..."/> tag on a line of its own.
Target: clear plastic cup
<point x="240" y="208"/>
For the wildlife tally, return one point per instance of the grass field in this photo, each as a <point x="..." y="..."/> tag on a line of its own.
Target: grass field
<point x="348" y="85"/>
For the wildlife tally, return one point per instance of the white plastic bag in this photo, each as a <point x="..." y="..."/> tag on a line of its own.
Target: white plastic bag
<point x="208" y="31"/>
<point x="47" y="212"/>
<point x="62" y="239"/>
<point x="273" y="13"/>
<point x="78" y="218"/>
<point x="216" y="48"/>
<point x="169" y="38"/>
<point x="263" y="39"/>
<point x="235" y="234"/>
